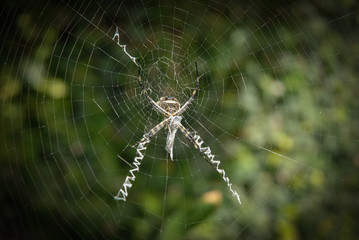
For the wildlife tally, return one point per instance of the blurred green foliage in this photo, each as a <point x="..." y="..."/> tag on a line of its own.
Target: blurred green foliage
<point x="299" y="63"/>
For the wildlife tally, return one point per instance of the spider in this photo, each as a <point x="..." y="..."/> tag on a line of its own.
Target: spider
<point x="172" y="111"/>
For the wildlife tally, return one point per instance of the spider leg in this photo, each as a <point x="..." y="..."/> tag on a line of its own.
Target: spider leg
<point x="149" y="99"/>
<point x="141" y="146"/>
<point x="206" y="153"/>
<point x="192" y="98"/>
<point x="155" y="130"/>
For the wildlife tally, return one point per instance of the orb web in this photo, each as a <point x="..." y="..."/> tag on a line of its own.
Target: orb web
<point x="271" y="107"/>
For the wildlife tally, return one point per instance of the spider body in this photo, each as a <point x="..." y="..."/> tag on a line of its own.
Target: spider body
<point x="170" y="104"/>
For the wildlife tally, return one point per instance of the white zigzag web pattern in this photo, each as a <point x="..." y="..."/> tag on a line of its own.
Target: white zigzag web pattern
<point x="123" y="192"/>
<point x="123" y="46"/>
<point x="207" y="151"/>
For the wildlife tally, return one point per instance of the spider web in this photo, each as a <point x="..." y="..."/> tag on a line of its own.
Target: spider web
<point x="273" y="99"/>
